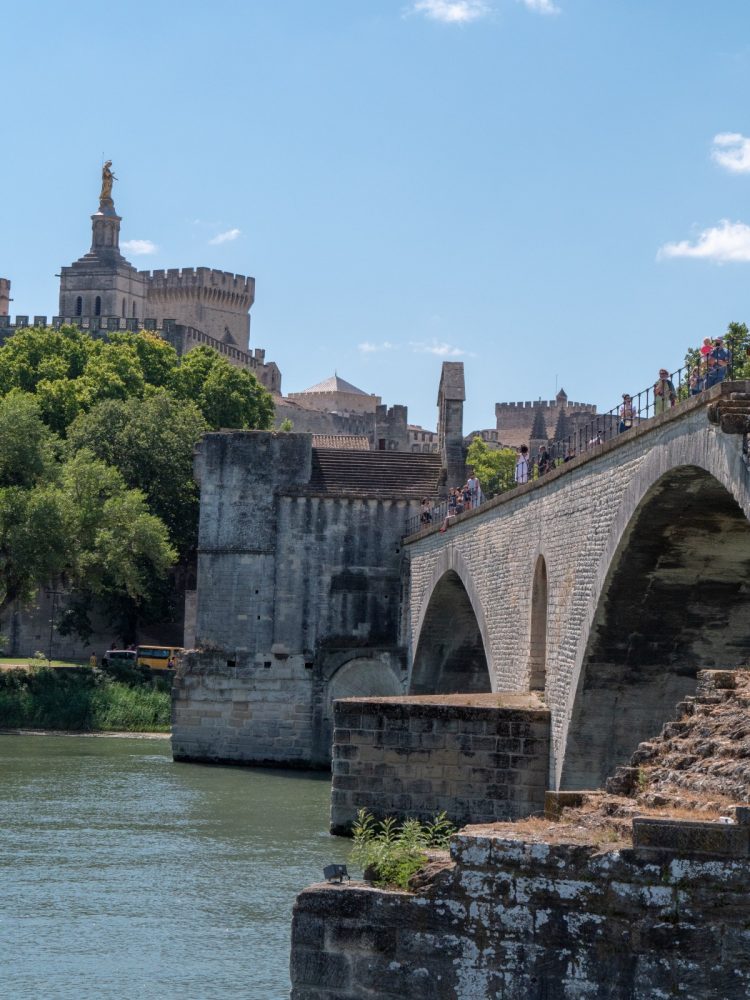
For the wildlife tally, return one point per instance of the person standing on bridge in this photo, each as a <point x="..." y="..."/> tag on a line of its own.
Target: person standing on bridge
<point x="664" y="395"/>
<point x="523" y="466"/>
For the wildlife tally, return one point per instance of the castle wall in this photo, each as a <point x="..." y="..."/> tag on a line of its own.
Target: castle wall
<point x="336" y="402"/>
<point x="292" y="589"/>
<point x="308" y="421"/>
<point x="215" y="302"/>
<point x="4" y="296"/>
<point x="511" y="918"/>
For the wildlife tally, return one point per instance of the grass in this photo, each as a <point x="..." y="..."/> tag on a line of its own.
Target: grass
<point x="84" y="701"/>
<point x="33" y="661"/>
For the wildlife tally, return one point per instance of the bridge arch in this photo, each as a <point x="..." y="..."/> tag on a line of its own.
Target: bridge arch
<point x="451" y="646"/>
<point x="674" y="599"/>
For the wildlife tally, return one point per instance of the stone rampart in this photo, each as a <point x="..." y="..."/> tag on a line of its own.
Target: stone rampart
<point x="510" y="918"/>
<point x="477" y="758"/>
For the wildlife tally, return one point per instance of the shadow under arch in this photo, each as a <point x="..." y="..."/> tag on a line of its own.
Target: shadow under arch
<point x="538" y="628"/>
<point x="450" y="656"/>
<point x="676" y="600"/>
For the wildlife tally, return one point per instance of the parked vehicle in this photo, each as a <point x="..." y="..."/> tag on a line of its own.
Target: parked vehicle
<point x="119" y="658"/>
<point x="159" y="657"/>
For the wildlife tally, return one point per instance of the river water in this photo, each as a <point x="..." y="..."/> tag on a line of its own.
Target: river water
<point x="125" y="875"/>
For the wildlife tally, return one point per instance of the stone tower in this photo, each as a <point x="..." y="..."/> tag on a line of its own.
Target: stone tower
<point x="450" y="401"/>
<point x="102" y="282"/>
<point x="4" y="296"/>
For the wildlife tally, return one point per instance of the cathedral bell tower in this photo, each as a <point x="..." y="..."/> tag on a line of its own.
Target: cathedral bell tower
<point x="103" y="283"/>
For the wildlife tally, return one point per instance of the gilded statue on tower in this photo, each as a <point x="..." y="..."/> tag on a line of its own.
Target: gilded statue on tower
<point x="108" y="178"/>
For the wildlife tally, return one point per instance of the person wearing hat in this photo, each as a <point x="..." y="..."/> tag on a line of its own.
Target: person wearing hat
<point x="664" y="395"/>
<point x="627" y="413"/>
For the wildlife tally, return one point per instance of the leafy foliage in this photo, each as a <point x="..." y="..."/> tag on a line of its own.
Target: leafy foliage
<point x="495" y="469"/>
<point x="225" y="395"/>
<point x="395" y="852"/>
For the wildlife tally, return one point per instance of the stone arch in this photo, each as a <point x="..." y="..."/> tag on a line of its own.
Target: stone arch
<point x="451" y="647"/>
<point x="365" y="674"/>
<point x="538" y="628"/>
<point x="674" y="599"/>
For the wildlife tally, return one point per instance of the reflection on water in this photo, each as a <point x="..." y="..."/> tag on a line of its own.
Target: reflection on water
<point x="125" y="875"/>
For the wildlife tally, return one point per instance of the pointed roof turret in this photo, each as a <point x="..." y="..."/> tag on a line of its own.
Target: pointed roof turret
<point x="335" y="384"/>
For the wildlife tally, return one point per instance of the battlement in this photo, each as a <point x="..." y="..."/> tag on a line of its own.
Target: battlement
<point x="544" y="404"/>
<point x="204" y="280"/>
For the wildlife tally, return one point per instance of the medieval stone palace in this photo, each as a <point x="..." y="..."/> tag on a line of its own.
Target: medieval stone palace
<point x="103" y="292"/>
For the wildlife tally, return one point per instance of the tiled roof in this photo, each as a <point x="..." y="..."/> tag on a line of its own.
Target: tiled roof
<point x="335" y="384"/>
<point x="343" y="442"/>
<point x="374" y="473"/>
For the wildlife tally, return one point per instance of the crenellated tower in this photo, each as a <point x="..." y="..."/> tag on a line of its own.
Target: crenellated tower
<point x="215" y="302"/>
<point x="5" y="296"/>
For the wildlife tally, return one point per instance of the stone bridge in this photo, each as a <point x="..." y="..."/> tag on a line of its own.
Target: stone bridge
<point x="605" y="586"/>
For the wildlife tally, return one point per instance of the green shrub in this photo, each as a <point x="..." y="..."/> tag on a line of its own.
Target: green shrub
<point x="82" y="700"/>
<point x="395" y="852"/>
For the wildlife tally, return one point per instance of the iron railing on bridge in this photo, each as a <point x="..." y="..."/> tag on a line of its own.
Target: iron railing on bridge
<point x="690" y="380"/>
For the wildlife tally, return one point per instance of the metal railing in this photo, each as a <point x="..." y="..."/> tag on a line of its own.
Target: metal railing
<point x="709" y="370"/>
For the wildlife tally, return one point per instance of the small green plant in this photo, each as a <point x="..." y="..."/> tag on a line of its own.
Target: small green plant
<point x="286" y="425"/>
<point x="393" y="853"/>
<point x="642" y="779"/>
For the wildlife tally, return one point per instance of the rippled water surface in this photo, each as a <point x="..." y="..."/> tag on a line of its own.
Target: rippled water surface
<point x="125" y="875"/>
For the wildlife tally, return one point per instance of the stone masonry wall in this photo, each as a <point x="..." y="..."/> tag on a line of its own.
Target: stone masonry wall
<point x="577" y="518"/>
<point x="479" y="758"/>
<point x="512" y="919"/>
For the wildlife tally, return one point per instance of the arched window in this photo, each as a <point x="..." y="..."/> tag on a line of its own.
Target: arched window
<point x="98" y="306"/>
<point x="79" y="306"/>
<point x="134" y="312"/>
<point x="124" y="309"/>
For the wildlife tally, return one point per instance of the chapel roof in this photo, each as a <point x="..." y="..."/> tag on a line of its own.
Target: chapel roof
<point x="334" y="384"/>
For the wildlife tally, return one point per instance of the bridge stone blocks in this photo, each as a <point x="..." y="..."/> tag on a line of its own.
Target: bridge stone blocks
<point x="646" y="555"/>
<point x="478" y="758"/>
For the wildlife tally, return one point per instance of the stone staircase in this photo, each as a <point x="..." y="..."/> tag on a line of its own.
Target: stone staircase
<point x="731" y="411"/>
<point x="700" y="760"/>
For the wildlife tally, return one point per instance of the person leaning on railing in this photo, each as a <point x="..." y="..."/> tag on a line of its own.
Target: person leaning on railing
<point x="664" y="395"/>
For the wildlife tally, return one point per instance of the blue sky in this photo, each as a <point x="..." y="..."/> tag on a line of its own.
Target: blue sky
<point x="556" y="193"/>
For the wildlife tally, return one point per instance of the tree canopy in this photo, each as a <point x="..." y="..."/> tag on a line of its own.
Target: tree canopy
<point x="494" y="468"/>
<point x="96" y="457"/>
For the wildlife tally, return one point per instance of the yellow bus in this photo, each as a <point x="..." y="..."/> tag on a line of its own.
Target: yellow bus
<point x="159" y="657"/>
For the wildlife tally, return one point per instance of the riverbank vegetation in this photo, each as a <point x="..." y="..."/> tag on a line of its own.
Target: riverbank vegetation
<point x="82" y="700"/>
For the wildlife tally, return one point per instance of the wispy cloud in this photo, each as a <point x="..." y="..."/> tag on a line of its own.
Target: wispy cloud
<point x="451" y="11"/>
<point x="139" y="247"/>
<point x="731" y="150"/>
<point x="368" y="347"/>
<point x="227" y="237"/>
<point x="727" y="242"/>
<point x="439" y="348"/>
<point x="541" y="6"/>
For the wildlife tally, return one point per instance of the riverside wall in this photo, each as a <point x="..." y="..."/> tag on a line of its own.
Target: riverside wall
<point x="506" y="918"/>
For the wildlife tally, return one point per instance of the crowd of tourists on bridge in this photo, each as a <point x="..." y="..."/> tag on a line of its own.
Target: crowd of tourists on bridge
<point x="712" y="367"/>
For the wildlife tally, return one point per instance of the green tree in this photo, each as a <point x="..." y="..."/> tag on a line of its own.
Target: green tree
<point x="495" y="469"/>
<point x="150" y="442"/>
<point x="158" y="359"/>
<point x="225" y="395"/>
<point x="27" y="446"/>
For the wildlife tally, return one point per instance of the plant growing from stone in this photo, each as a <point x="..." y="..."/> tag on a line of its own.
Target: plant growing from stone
<point x="393" y="852"/>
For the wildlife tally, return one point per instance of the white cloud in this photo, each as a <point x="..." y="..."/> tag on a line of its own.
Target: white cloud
<point x="139" y="247"/>
<point x="732" y="151"/>
<point x="451" y="11"/>
<point x="227" y="237"/>
<point x="729" y="241"/>
<point x="440" y="348"/>
<point x="367" y="347"/>
<point x="541" y="6"/>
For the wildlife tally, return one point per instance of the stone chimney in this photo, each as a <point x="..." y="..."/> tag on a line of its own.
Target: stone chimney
<point x="450" y="401"/>
<point x="4" y="296"/>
